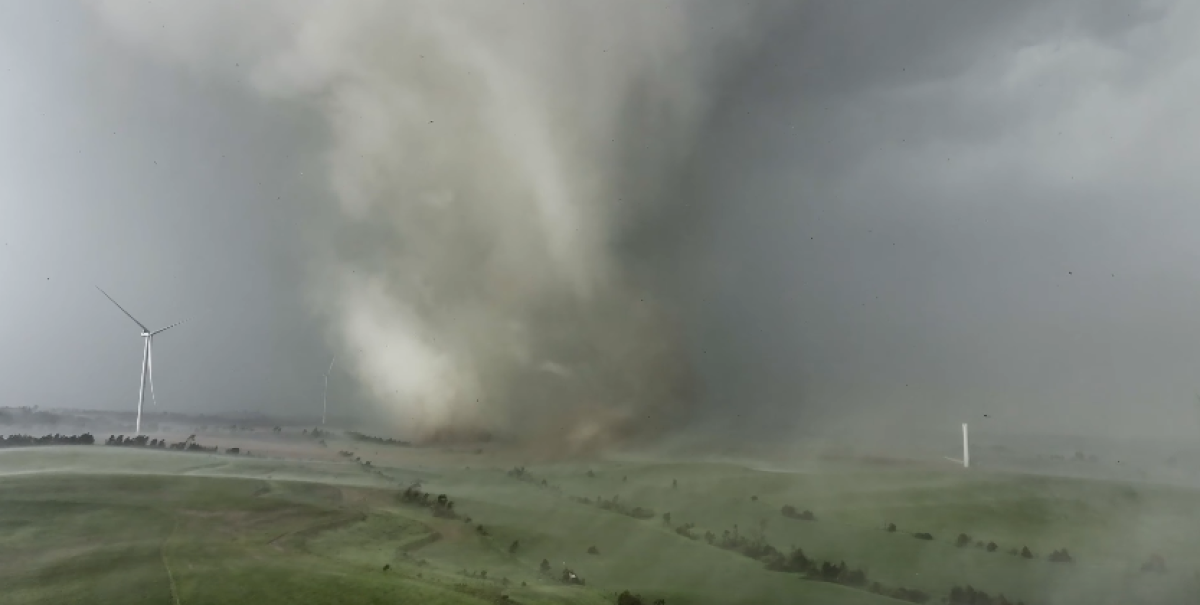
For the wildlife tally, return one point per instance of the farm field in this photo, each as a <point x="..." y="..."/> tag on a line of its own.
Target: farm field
<point x="96" y="524"/>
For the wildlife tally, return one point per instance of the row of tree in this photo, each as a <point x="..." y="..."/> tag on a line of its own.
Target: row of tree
<point x="790" y="512"/>
<point x="964" y="540"/>
<point x="441" y="505"/>
<point x="615" y="505"/>
<point x="756" y="547"/>
<point x="380" y="440"/>
<point x="520" y="474"/>
<point x="568" y="575"/>
<point x="143" y="441"/>
<point x="55" y="439"/>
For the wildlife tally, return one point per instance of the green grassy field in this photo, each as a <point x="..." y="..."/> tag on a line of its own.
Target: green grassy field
<point x="105" y="525"/>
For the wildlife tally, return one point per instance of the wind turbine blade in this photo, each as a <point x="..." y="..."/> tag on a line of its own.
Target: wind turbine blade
<point x="127" y="313"/>
<point x="160" y="330"/>
<point x="150" y="368"/>
<point x="330" y="365"/>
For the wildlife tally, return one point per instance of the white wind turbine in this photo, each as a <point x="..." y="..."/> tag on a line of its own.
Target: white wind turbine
<point x="325" y="397"/>
<point x="147" y="358"/>
<point x="966" y="459"/>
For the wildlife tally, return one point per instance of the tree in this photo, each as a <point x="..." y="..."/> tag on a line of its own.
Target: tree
<point x="545" y="566"/>
<point x="627" y="598"/>
<point x="1060" y="556"/>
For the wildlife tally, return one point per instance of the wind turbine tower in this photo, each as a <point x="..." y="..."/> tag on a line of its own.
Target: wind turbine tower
<point x="966" y="449"/>
<point x="325" y="397"/>
<point x="147" y="358"/>
<point x="966" y="456"/>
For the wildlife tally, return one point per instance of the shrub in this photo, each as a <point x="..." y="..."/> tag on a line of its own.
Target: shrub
<point x="992" y="546"/>
<point x="891" y="528"/>
<point x="685" y="530"/>
<point x="1060" y="556"/>
<point x="789" y="511"/>
<point x="1025" y="553"/>
<point x="923" y="536"/>
<point x="963" y="540"/>
<point x="592" y="550"/>
<point x="626" y="598"/>
<point x="570" y="577"/>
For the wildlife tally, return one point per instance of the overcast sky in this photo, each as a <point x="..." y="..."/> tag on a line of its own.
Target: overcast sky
<point x="183" y="198"/>
<point x="928" y="209"/>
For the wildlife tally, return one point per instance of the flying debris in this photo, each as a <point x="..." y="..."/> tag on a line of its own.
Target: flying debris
<point x="147" y="358"/>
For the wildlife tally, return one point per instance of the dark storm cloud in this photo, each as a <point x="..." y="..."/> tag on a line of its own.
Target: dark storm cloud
<point x="930" y="210"/>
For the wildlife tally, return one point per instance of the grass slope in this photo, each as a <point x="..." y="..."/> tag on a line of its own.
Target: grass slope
<point x="96" y="525"/>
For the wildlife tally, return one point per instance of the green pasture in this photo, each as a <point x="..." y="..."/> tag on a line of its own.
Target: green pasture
<point x="106" y="525"/>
